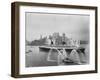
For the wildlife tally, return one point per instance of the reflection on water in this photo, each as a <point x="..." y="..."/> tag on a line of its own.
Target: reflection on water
<point x="35" y="57"/>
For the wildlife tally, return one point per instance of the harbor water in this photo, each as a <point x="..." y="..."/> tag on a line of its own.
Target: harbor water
<point x="34" y="57"/>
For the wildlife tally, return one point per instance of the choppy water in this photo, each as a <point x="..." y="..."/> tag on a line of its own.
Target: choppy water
<point x="34" y="57"/>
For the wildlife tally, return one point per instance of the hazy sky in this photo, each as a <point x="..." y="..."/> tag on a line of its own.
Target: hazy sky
<point x="75" y="26"/>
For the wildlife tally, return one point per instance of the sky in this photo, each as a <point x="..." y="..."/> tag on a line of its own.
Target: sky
<point x="74" y="26"/>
